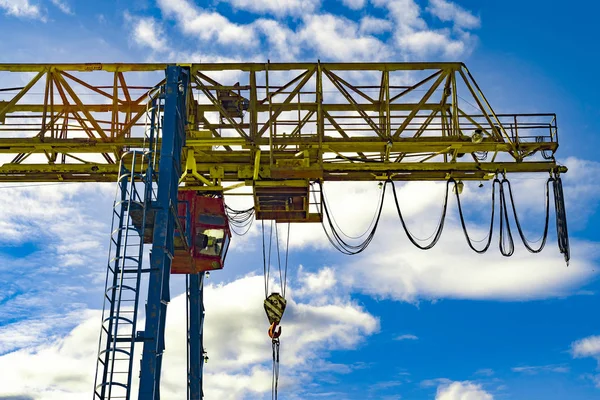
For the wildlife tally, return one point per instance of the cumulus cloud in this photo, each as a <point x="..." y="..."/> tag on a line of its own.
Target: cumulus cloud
<point x="56" y="241"/>
<point x="147" y="32"/>
<point x="586" y="347"/>
<point x="208" y="26"/>
<point x="281" y="40"/>
<point x="22" y="9"/>
<point x="338" y="38"/>
<point x="234" y="337"/>
<point x="314" y="33"/>
<point x="462" y="391"/>
<point x="450" y="11"/>
<point x="354" y="4"/>
<point x="63" y="6"/>
<point x="279" y="8"/>
<point x="316" y="283"/>
<point x="426" y="43"/>
<point x="400" y="271"/>
<point x="535" y="369"/>
<point x="371" y="25"/>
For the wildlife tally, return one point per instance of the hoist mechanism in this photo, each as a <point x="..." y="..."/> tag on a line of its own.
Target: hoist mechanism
<point x="192" y="137"/>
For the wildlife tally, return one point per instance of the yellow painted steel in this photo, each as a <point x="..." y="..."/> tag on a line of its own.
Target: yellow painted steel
<point x="269" y="122"/>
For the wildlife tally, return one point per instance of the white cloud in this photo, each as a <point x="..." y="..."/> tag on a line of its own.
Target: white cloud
<point x="405" y="13"/>
<point x="586" y="347"/>
<point x="370" y="25"/>
<point x="354" y="4"/>
<point x="462" y="391"/>
<point x="416" y="39"/>
<point x="449" y="11"/>
<point x="338" y="38"/>
<point x="235" y="339"/>
<point x="323" y="35"/>
<point x="21" y="8"/>
<point x="582" y="192"/>
<point x="427" y="43"/>
<point x="147" y="32"/>
<point x="63" y="6"/>
<point x="406" y="337"/>
<point x="451" y="270"/>
<point x="533" y="370"/>
<point x="281" y="40"/>
<point x="400" y="271"/>
<point x="208" y="25"/>
<point x="280" y="8"/>
<point x="316" y="283"/>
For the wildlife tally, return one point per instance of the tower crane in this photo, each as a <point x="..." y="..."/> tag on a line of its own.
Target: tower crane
<point x="178" y="138"/>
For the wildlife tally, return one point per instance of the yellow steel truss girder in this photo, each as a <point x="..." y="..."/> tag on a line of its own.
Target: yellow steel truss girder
<point x="331" y="121"/>
<point x="328" y="145"/>
<point x="149" y="67"/>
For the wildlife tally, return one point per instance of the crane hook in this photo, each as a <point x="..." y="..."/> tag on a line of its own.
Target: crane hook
<point x="274" y="333"/>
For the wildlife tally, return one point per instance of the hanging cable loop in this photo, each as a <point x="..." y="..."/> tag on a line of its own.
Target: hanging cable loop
<point x="440" y="227"/>
<point x="506" y="242"/>
<point x="562" y="232"/>
<point x="240" y="220"/>
<point x="488" y="239"/>
<point x="526" y="242"/>
<point x="336" y="239"/>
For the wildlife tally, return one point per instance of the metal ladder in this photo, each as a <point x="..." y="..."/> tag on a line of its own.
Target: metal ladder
<point x="131" y="222"/>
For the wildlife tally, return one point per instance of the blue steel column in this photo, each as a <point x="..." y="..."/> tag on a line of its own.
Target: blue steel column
<point x="173" y="139"/>
<point x="196" y="321"/>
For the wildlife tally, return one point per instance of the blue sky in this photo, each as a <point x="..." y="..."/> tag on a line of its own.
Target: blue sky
<point x="392" y="323"/>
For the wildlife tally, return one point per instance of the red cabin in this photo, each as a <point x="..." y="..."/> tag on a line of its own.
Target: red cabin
<point x="204" y="220"/>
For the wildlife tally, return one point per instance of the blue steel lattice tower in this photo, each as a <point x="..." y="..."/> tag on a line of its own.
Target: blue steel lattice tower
<point x="149" y="214"/>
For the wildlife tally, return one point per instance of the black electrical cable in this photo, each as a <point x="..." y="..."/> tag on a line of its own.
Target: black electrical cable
<point x="562" y="232"/>
<point x="240" y="220"/>
<point x="527" y="243"/>
<point x="440" y="227"/>
<point x="336" y="239"/>
<point x="506" y="244"/>
<point x="506" y="241"/>
<point x="369" y="228"/>
<point x="464" y="225"/>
